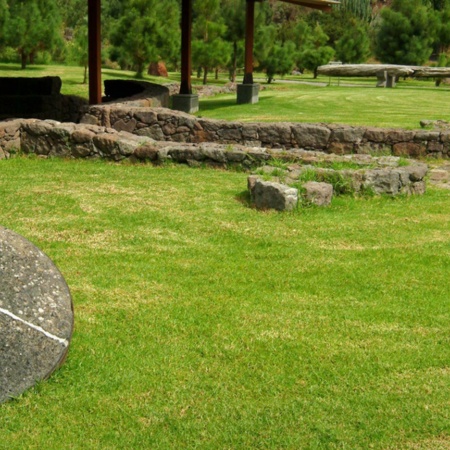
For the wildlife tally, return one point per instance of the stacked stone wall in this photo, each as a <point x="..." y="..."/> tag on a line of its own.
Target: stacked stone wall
<point x="166" y="125"/>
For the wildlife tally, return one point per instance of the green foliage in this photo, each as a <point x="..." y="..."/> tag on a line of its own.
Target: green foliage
<point x="212" y="51"/>
<point x="32" y="26"/>
<point x="443" y="30"/>
<point x="313" y="50"/>
<point x="406" y="33"/>
<point x="141" y="36"/>
<point x="362" y="9"/>
<point x="234" y="20"/>
<point x="78" y="49"/>
<point x="280" y="60"/>
<point x="354" y="45"/>
<point x="4" y="17"/>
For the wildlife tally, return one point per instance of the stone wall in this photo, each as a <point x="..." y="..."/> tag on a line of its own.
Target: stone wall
<point x="167" y="130"/>
<point x="166" y="125"/>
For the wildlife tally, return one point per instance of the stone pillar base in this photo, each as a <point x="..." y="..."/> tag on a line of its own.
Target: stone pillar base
<point x="247" y="93"/>
<point x="187" y="103"/>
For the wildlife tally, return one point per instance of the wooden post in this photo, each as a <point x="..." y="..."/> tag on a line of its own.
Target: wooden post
<point x="249" y="41"/>
<point x="95" y="50"/>
<point x="186" y="54"/>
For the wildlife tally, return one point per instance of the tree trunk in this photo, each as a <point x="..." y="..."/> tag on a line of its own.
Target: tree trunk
<point x="205" y="75"/>
<point x="85" y="74"/>
<point x="217" y="73"/>
<point x="234" y="67"/>
<point x="23" y="59"/>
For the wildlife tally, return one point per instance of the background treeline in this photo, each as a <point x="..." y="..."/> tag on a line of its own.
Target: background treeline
<point x="138" y="32"/>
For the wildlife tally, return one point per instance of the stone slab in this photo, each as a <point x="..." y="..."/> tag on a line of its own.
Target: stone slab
<point x="247" y="93"/>
<point x="187" y="103"/>
<point x="36" y="315"/>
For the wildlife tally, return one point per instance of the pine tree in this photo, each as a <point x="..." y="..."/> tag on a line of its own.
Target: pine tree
<point x="354" y="45"/>
<point x="406" y="34"/>
<point x="4" y="16"/>
<point x="314" y="51"/>
<point x="147" y="31"/>
<point x="209" y="48"/>
<point x="33" y="25"/>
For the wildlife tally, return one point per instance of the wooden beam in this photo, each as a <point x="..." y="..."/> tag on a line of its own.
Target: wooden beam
<point x="186" y="53"/>
<point x="95" y="51"/>
<point x="249" y="41"/>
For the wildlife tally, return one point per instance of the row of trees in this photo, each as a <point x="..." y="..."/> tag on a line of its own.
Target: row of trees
<point x="137" y="32"/>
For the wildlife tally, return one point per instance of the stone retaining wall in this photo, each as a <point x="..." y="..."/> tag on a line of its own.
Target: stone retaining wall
<point x="166" y="125"/>
<point x="173" y="133"/>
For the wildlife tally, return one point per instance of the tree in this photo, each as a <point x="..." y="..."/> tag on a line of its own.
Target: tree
<point x="4" y="14"/>
<point x="313" y="51"/>
<point x="147" y="31"/>
<point x="209" y="48"/>
<point x="406" y="33"/>
<point x="232" y="12"/>
<point x="361" y="9"/>
<point x="280" y="60"/>
<point x="354" y="45"/>
<point x="33" y="25"/>
<point x="78" y="49"/>
<point x="443" y="30"/>
<point x="212" y="51"/>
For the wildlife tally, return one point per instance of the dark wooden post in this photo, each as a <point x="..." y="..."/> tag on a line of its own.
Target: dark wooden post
<point x="249" y="41"/>
<point x="95" y="50"/>
<point x="186" y="54"/>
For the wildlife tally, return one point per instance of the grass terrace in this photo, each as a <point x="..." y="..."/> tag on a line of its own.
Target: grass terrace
<point x="201" y="322"/>
<point x="354" y="101"/>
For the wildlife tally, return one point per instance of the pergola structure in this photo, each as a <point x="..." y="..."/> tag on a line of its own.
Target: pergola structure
<point x="186" y="101"/>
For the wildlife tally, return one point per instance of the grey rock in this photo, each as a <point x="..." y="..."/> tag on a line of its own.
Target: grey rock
<point x="348" y="134"/>
<point x="311" y="136"/>
<point x="36" y="315"/>
<point x="319" y="194"/>
<point x="125" y="125"/>
<point x="439" y="175"/>
<point x="382" y="181"/>
<point x="268" y="195"/>
<point x="89" y="119"/>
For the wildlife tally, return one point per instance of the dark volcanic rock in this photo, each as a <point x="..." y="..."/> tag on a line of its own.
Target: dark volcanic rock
<point x="36" y="315"/>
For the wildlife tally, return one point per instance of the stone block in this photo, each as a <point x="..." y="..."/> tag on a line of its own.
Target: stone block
<point x="269" y="195"/>
<point x="318" y="193"/>
<point x="382" y="181"/>
<point x="414" y="149"/>
<point x="247" y="93"/>
<point x="310" y="136"/>
<point x="348" y="134"/>
<point x="187" y="103"/>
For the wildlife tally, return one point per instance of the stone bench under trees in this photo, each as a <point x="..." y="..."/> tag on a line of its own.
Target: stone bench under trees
<point x="386" y="74"/>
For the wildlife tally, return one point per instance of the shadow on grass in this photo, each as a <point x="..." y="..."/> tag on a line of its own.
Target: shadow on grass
<point x="211" y="104"/>
<point x="18" y="68"/>
<point x="245" y="199"/>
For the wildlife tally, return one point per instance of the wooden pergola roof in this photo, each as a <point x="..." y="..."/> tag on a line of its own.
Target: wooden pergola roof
<point x="94" y="36"/>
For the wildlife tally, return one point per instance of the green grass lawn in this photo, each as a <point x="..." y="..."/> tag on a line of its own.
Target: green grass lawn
<point x="355" y="101"/>
<point x="203" y="323"/>
<point x="402" y="107"/>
